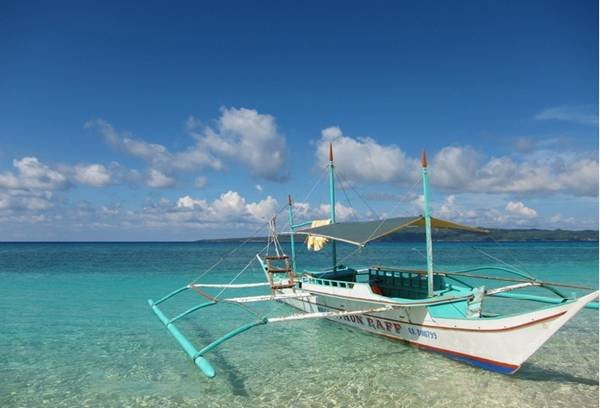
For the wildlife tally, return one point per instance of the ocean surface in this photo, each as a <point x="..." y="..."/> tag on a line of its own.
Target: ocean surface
<point x="76" y="330"/>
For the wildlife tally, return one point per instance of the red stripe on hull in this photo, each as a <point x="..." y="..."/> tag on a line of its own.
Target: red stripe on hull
<point x="471" y="357"/>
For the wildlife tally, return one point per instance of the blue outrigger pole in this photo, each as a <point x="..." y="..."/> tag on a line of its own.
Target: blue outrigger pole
<point x="185" y="344"/>
<point x="195" y="354"/>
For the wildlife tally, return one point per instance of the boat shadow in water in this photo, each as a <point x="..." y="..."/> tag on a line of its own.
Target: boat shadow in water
<point x="232" y="375"/>
<point x="532" y="372"/>
<point x="362" y="356"/>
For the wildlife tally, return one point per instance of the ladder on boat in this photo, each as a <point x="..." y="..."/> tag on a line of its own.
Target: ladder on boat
<point x="276" y="265"/>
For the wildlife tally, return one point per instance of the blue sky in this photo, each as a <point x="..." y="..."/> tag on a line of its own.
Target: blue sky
<point x="193" y="120"/>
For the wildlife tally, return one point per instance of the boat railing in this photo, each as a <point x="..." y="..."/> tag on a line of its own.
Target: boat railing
<point x="520" y="282"/>
<point x="328" y="282"/>
<point x="467" y="274"/>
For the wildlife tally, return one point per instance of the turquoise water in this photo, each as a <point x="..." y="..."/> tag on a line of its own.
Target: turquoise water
<point x="77" y="331"/>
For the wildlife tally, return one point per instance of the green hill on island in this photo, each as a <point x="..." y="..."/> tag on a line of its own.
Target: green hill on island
<point x="501" y="235"/>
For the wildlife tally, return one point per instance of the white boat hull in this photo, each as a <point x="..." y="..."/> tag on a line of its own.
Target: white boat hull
<point x="498" y="344"/>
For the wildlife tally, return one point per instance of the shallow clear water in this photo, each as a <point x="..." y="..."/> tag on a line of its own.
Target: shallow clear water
<point x="77" y="331"/>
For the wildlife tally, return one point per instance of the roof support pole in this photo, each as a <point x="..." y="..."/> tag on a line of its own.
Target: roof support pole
<point x="427" y="216"/>
<point x="291" y="221"/>
<point x="332" y="202"/>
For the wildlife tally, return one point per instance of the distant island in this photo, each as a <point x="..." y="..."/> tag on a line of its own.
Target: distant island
<point x="500" y="235"/>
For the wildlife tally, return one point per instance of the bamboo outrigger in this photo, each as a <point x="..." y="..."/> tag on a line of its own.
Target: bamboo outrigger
<point x="434" y="310"/>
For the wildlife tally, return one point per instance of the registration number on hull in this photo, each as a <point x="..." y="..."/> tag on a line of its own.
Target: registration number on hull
<point x="388" y="327"/>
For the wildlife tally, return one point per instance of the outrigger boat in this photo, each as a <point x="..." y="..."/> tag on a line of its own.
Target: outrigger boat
<point x="434" y="310"/>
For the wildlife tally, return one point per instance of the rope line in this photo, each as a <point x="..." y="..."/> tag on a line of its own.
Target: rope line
<point x="287" y="223"/>
<point x="365" y="202"/>
<point x="223" y="257"/>
<point x="393" y="209"/>
<point x="504" y="263"/>
<point x="512" y="255"/>
<point x="341" y="184"/>
<point x="235" y="277"/>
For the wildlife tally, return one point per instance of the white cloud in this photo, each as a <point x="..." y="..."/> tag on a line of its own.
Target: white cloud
<point x="258" y="187"/>
<point x="229" y="206"/>
<point x="451" y="210"/>
<point x="230" y="209"/>
<point x="580" y="176"/>
<point x="95" y="175"/>
<point x="518" y="208"/>
<point x="302" y="211"/>
<point x="20" y="200"/>
<point x="156" y="155"/>
<point x="305" y="212"/>
<point x="583" y="115"/>
<point x="455" y="166"/>
<point x="249" y="137"/>
<point x="364" y="160"/>
<point x="241" y="135"/>
<point x="484" y="211"/>
<point x="342" y="213"/>
<point x="462" y="169"/>
<point x="32" y="174"/>
<point x="499" y="211"/>
<point x="200" y="182"/>
<point x="189" y="202"/>
<point x="157" y="179"/>
<point x="31" y="187"/>
<point x="577" y="223"/>
<point x="264" y="209"/>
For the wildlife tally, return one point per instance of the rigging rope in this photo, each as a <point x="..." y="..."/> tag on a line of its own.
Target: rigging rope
<point x="308" y="194"/>
<point x="512" y="255"/>
<point x="504" y="263"/>
<point x="365" y="202"/>
<point x="237" y="276"/>
<point x="223" y="257"/>
<point x="341" y="184"/>
<point x="393" y="209"/>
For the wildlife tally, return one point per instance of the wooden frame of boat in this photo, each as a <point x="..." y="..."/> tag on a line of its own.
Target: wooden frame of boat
<point x="416" y="306"/>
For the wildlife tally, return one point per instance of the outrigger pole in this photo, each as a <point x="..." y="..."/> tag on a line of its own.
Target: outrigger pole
<point x="197" y="356"/>
<point x="427" y="217"/>
<point x="332" y="202"/>
<point x="185" y="344"/>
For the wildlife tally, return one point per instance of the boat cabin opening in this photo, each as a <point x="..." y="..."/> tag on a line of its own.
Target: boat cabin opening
<point x="402" y="284"/>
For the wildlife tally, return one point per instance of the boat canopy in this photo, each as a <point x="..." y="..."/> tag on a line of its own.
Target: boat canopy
<point x="360" y="233"/>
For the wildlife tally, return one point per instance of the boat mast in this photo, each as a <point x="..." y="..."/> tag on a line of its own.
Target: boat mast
<point x="427" y="223"/>
<point x="332" y="202"/>
<point x="291" y="221"/>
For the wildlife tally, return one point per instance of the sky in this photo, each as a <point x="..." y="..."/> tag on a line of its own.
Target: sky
<point x="192" y="120"/>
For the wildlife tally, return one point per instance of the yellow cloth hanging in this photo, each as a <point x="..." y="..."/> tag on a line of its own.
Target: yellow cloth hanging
<point x="314" y="243"/>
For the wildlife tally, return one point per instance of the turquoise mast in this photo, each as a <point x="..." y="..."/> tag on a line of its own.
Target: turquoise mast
<point x="427" y="216"/>
<point x="332" y="202"/>
<point x="291" y="221"/>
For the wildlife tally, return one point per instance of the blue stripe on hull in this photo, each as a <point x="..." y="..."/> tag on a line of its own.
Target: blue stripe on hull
<point x="482" y="364"/>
